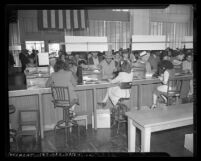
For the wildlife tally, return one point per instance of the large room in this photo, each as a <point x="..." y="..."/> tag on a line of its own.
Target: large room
<point x="107" y="80"/>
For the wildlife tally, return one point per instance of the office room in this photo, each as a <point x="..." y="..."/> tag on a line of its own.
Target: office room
<point x="107" y="79"/>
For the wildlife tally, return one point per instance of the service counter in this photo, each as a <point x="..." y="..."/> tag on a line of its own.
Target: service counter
<point x="88" y="94"/>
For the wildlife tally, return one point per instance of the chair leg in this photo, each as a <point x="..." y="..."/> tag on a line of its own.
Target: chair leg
<point x="118" y="124"/>
<point x="86" y="123"/>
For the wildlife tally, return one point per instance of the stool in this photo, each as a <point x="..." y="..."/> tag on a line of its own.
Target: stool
<point x="82" y="117"/>
<point x="29" y="123"/>
<point x="122" y="108"/>
<point x="61" y="99"/>
<point x="13" y="132"/>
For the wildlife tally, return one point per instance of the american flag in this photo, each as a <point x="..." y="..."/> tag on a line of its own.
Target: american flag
<point x="62" y="19"/>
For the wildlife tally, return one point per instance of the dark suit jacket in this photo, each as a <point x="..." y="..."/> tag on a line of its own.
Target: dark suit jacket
<point x="91" y="62"/>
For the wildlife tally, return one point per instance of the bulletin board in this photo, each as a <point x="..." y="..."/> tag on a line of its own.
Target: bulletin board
<point x="188" y="42"/>
<point x="148" y="42"/>
<point x="85" y="43"/>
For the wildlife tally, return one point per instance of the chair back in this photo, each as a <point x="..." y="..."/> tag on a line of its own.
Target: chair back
<point x="174" y="86"/>
<point x="60" y="94"/>
<point x="125" y="85"/>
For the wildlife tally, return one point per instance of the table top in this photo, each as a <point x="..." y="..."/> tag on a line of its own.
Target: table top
<point x="148" y="118"/>
<point x="102" y="84"/>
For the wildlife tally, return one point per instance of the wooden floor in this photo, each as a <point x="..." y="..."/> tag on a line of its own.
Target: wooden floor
<point x="105" y="140"/>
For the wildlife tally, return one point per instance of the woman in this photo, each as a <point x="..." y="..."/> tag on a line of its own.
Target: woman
<point x="115" y="93"/>
<point x="166" y="71"/>
<point x="63" y="77"/>
<point x="187" y="67"/>
<point x="62" y="57"/>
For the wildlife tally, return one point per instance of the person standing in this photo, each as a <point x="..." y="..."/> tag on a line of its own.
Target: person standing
<point x="187" y="67"/>
<point x="108" y="66"/>
<point x="23" y="56"/>
<point x="94" y="60"/>
<point x="154" y="61"/>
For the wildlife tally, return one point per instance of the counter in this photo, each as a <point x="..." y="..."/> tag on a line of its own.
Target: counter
<point x="88" y="94"/>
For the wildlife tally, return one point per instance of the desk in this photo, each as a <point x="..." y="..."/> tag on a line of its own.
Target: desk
<point x="149" y="121"/>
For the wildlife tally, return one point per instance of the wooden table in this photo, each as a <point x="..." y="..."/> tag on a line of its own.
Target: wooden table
<point x="149" y="121"/>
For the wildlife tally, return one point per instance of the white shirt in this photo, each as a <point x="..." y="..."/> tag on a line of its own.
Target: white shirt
<point x="96" y="61"/>
<point x="187" y="65"/>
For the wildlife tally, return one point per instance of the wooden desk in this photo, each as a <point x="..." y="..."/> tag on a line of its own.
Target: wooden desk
<point x="149" y="121"/>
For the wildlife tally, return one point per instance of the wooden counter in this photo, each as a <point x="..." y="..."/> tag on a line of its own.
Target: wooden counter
<point x="88" y="94"/>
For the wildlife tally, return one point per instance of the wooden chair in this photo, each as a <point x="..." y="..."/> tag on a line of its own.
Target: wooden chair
<point x="122" y="108"/>
<point x="28" y="126"/>
<point x="61" y="99"/>
<point x="174" y="90"/>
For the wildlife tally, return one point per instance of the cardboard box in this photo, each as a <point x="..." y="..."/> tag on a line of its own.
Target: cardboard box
<point x="188" y="143"/>
<point x="103" y="118"/>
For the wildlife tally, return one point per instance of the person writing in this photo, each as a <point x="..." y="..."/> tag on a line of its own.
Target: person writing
<point x="166" y="71"/>
<point x="108" y="66"/>
<point x="63" y="77"/>
<point x="115" y="93"/>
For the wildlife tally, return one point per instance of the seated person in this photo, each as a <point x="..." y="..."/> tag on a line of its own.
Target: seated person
<point x="17" y="82"/>
<point x="115" y="93"/>
<point x="108" y="66"/>
<point x="188" y="68"/>
<point x="166" y="71"/>
<point x="63" y="77"/>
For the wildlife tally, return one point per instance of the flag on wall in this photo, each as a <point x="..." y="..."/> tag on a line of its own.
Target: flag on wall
<point x="62" y="19"/>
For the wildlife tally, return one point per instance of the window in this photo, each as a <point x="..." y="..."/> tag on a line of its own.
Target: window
<point x="36" y="45"/>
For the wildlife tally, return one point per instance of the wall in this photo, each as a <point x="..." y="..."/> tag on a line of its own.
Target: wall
<point x="29" y="29"/>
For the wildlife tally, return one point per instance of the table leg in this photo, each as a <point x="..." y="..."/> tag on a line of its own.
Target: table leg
<point x="139" y="97"/>
<point x="145" y="140"/>
<point x="131" y="136"/>
<point x="94" y="109"/>
<point x="41" y="115"/>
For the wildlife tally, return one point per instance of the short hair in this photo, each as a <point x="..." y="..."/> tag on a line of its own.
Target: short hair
<point x="164" y="65"/>
<point x="125" y="66"/>
<point x="60" y="65"/>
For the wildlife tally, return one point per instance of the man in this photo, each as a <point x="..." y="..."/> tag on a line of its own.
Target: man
<point x="143" y="62"/>
<point x="23" y="58"/>
<point x="94" y="60"/>
<point x="154" y="60"/>
<point x="108" y="66"/>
